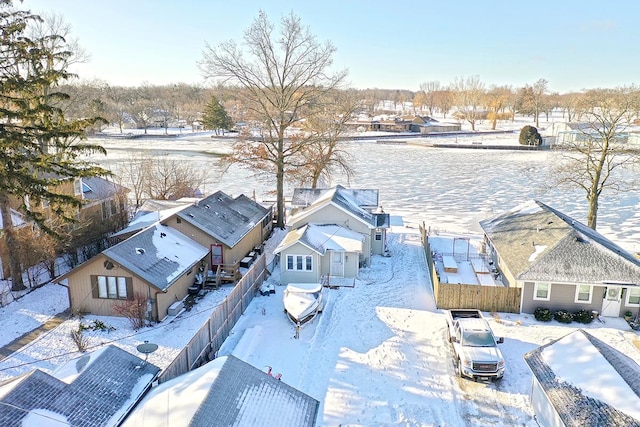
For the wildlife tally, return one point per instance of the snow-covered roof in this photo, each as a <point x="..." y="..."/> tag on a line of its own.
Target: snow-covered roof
<point x="537" y="242"/>
<point x="365" y="198"/>
<point x="343" y="199"/>
<point x="224" y="218"/>
<point x="588" y="382"/>
<point x="96" y="389"/>
<point x="224" y="392"/>
<point x="150" y="213"/>
<point x="158" y="254"/>
<point x="323" y="237"/>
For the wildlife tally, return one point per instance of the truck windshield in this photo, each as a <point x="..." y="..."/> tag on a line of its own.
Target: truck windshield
<point x="478" y="339"/>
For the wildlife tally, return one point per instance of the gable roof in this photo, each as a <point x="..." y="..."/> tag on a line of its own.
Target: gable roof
<point x="151" y="212"/>
<point x="537" y="242"/>
<point x="98" y="388"/>
<point x="365" y="198"/>
<point x="224" y="218"/>
<point x="224" y="392"/>
<point x="159" y="255"/>
<point x="344" y="200"/>
<point x="323" y="237"/>
<point x="610" y="398"/>
<point x="96" y="188"/>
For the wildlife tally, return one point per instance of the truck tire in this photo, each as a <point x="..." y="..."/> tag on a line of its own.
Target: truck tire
<point x="459" y="366"/>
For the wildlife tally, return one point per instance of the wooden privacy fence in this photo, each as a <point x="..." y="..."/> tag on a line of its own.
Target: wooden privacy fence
<point x="484" y="298"/>
<point x="208" y="340"/>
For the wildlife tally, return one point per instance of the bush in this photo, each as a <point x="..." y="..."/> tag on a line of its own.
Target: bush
<point x="583" y="316"/>
<point x="563" y="316"/>
<point x="529" y="136"/>
<point x="543" y="314"/>
<point x="79" y="339"/>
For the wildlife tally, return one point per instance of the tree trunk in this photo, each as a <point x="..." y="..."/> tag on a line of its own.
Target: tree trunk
<point x="592" y="215"/>
<point x="280" y="183"/>
<point x="494" y="121"/>
<point x="15" y="270"/>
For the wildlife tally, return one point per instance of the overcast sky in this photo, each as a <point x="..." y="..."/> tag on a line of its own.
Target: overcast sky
<point x="391" y="45"/>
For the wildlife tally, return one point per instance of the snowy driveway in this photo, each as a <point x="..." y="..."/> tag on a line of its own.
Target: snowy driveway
<point x="378" y="354"/>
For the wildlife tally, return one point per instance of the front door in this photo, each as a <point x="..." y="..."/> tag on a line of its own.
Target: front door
<point x="337" y="264"/>
<point x="612" y="302"/>
<point x="216" y="254"/>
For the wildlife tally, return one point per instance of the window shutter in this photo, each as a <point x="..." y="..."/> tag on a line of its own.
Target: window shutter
<point x="94" y="285"/>
<point x="129" y="282"/>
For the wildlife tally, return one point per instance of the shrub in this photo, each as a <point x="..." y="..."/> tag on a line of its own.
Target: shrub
<point x="543" y="314"/>
<point x="563" y="316"/>
<point x="583" y="316"/>
<point x="134" y="310"/>
<point x="529" y="136"/>
<point x="79" y="339"/>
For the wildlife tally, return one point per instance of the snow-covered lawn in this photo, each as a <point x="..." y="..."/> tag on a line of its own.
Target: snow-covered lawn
<point x="377" y="355"/>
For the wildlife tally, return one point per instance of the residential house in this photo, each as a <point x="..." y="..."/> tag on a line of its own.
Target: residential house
<point x="157" y="265"/>
<point x="578" y="381"/>
<point x="427" y="125"/>
<point x="151" y="212"/>
<point x="560" y="263"/>
<point x="367" y="199"/>
<point x="313" y="251"/>
<point x="224" y="392"/>
<point x="230" y="227"/>
<point x="339" y="208"/>
<point x="95" y="389"/>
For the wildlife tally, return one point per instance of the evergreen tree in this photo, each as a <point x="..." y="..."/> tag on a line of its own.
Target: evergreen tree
<point x="529" y="136"/>
<point x="215" y="117"/>
<point x="39" y="148"/>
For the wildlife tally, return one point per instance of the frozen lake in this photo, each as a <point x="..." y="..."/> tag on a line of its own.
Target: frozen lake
<point x="447" y="189"/>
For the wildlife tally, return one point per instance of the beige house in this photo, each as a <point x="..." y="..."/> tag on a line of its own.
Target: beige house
<point x="230" y="228"/>
<point x="156" y="265"/>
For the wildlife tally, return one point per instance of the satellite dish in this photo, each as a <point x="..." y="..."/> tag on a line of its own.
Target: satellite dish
<point x="108" y="265"/>
<point x="147" y="348"/>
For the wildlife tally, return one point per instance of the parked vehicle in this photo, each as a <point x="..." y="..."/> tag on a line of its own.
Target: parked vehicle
<point x="302" y="301"/>
<point x="475" y="348"/>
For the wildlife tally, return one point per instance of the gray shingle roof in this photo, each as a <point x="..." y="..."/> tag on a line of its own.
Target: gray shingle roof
<point x="158" y="254"/>
<point x="239" y="386"/>
<point x="100" y="395"/>
<point x="224" y="218"/>
<point x="574" y="407"/>
<point x="224" y="392"/>
<point x="100" y="189"/>
<point x="537" y="242"/>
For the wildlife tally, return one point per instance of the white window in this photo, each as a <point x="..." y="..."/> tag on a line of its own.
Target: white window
<point x="583" y="294"/>
<point x="300" y="262"/>
<point x="633" y="297"/>
<point x="542" y="291"/>
<point x="112" y="287"/>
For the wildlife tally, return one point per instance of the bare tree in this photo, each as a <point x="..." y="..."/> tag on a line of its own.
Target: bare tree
<point x="468" y="94"/>
<point x="170" y="179"/>
<point x="443" y="100"/>
<point x="430" y="90"/>
<point x="324" y="155"/>
<point x="497" y="98"/>
<point x="283" y="75"/>
<point x="591" y="157"/>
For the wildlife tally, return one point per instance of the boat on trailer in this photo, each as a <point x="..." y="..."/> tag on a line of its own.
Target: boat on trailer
<point x="302" y="301"/>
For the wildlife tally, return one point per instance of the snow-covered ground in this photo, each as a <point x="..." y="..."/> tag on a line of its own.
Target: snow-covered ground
<point x="377" y="355"/>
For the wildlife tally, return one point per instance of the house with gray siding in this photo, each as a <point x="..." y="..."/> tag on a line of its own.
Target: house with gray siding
<point x="580" y="381"/>
<point x="340" y="206"/>
<point x="560" y="263"/>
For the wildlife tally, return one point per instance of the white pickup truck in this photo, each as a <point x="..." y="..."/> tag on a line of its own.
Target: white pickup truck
<point x="475" y="348"/>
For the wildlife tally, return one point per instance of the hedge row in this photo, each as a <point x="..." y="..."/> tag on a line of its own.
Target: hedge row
<point x="562" y="316"/>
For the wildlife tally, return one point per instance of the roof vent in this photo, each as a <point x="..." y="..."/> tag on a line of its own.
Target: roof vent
<point x="108" y="265"/>
<point x="191" y="215"/>
<point x="207" y="206"/>
<point x="140" y="251"/>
